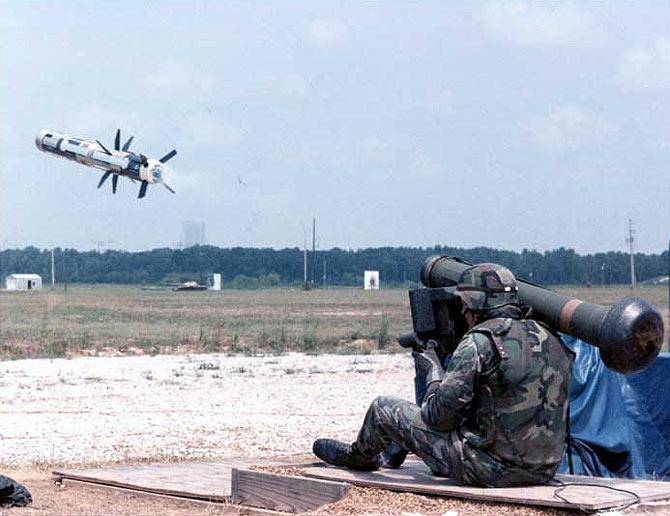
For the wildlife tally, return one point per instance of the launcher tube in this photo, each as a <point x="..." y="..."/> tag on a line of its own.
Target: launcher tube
<point x="629" y="333"/>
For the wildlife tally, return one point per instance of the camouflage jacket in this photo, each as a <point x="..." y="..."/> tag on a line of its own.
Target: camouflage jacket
<point x="505" y="395"/>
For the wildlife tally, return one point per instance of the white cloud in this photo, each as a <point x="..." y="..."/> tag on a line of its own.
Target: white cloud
<point x="9" y="22"/>
<point x="91" y="121"/>
<point x="378" y="151"/>
<point x="327" y="32"/>
<point x="299" y="156"/>
<point x="541" y="24"/>
<point x="170" y="80"/>
<point x="442" y="102"/>
<point x="423" y="165"/>
<point x="646" y="67"/>
<point x="292" y="86"/>
<point x="205" y="130"/>
<point x="566" y="127"/>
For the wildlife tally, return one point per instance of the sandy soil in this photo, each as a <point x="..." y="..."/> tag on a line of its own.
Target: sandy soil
<point x="92" y="410"/>
<point x="88" y="411"/>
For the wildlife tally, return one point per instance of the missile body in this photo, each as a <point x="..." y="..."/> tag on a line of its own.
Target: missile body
<point x="117" y="161"/>
<point x="629" y="333"/>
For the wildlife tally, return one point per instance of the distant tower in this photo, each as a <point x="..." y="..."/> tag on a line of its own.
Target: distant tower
<point x="193" y="233"/>
<point x="629" y="240"/>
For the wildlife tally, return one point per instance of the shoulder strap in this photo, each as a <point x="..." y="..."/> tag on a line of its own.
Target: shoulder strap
<point x="555" y="333"/>
<point x="495" y="329"/>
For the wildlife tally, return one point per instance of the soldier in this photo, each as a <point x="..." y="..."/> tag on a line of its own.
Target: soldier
<point x="496" y="417"/>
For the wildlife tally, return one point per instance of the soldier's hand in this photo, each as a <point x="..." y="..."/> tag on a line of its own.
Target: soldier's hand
<point x="428" y="365"/>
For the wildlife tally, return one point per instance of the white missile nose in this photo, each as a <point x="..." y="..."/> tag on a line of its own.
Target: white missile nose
<point x="40" y="136"/>
<point x="44" y="134"/>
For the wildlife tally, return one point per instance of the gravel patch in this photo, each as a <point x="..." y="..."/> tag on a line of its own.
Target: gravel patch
<point x="100" y="409"/>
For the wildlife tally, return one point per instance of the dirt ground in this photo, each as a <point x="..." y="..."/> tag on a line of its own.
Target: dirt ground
<point x="73" y="498"/>
<point x="77" y="499"/>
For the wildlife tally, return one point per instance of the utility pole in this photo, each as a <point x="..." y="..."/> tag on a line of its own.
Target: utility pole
<point x="53" y="270"/>
<point x="324" y="273"/>
<point x="305" y="284"/>
<point x="629" y="240"/>
<point x="313" y="250"/>
<point x="602" y="275"/>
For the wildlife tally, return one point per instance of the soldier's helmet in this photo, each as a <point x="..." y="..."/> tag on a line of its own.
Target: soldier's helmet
<point x="486" y="286"/>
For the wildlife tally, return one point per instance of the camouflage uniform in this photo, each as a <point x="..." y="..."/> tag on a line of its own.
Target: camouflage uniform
<point x="498" y="418"/>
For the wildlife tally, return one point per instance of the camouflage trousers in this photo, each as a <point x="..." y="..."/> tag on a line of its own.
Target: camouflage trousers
<point x="394" y="420"/>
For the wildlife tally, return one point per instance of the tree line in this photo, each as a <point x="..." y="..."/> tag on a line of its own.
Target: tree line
<point x="242" y="267"/>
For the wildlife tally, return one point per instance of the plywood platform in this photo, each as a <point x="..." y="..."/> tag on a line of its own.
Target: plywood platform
<point x="230" y="480"/>
<point x="415" y="477"/>
<point x="233" y="480"/>
<point x="200" y="480"/>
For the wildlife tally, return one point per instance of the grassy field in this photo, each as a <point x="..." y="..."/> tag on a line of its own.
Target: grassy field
<point x="129" y="320"/>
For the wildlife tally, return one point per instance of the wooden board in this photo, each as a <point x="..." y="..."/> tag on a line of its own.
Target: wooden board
<point x="283" y="493"/>
<point x="415" y="477"/>
<point x="199" y="480"/>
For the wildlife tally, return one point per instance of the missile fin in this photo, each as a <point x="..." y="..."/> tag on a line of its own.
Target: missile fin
<point x="143" y="189"/>
<point x="168" y="187"/>
<point x="105" y="149"/>
<point x="168" y="156"/>
<point x="117" y="140"/>
<point x="126" y="145"/>
<point x="104" y="178"/>
<point x="115" y="180"/>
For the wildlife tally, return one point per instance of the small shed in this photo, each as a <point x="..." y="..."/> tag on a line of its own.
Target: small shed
<point x="23" y="282"/>
<point x="371" y="280"/>
<point x="214" y="281"/>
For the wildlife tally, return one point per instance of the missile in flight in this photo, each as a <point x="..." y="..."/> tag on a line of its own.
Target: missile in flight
<point x="119" y="161"/>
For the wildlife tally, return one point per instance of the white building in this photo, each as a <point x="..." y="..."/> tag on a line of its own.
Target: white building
<point x="23" y="282"/>
<point x="214" y="281"/>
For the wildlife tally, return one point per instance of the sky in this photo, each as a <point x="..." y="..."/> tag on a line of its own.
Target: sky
<point x="506" y="124"/>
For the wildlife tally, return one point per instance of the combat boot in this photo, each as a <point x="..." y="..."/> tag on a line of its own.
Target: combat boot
<point x="338" y="453"/>
<point x="393" y="456"/>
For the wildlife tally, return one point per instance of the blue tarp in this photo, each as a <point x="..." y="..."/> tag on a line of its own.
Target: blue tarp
<point x="620" y="425"/>
<point x="647" y="397"/>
